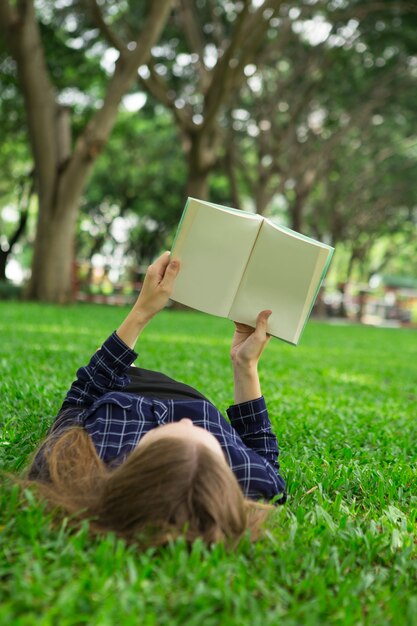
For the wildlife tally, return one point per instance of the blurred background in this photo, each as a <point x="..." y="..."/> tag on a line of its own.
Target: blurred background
<point x="113" y="112"/>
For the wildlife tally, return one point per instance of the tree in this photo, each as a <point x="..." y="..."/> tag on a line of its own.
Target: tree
<point x="146" y="187"/>
<point x="16" y="170"/>
<point x="198" y="68"/>
<point x="62" y="165"/>
<point x="320" y="97"/>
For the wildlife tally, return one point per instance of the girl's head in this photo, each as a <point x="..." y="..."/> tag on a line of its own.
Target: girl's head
<point x="169" y="485"/>
<point x="185" y="429"/>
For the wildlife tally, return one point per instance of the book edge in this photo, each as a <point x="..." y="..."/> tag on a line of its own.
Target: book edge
<point x="288" y="341"/>
<point x="297" y="235"/>
<point x="177" y="233"/>
<point x="303" y="324"/>
<point x="228" y="209"/>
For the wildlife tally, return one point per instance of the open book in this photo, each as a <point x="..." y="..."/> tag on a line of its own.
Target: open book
<point x="235" y="264"/>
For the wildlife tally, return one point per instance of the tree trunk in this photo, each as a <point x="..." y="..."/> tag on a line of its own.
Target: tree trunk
<point x="62" y="173"/>
<point x="202" y="158"/>
<point x="263" y="195"/>
<point x="297" y="213"/>
<point x="362" y="298"/>
<point x="197" y="183"/>
<point x="53" y="258"/>
<point x="3" y="262"/>
<point x="230" y="169"/>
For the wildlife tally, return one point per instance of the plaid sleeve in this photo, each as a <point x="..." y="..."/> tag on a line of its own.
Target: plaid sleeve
<point x="105" y="372"/>
<point x="251" y="422"/>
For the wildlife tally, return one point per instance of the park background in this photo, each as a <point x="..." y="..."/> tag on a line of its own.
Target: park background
<point x="112" y="113"/>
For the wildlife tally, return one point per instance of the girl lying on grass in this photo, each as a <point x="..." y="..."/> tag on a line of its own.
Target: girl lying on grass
<point x="150" y="458"/>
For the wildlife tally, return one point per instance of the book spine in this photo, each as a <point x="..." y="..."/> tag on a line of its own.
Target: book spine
<point x="261" y="223"/>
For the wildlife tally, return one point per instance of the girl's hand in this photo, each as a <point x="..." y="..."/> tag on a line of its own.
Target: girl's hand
<point x="157" y="286"/>
<point x="249" y="343"/>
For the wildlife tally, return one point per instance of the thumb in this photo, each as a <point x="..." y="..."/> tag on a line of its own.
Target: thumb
<point x="262" y="321"/>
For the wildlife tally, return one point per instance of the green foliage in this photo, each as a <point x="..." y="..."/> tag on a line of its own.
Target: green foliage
<point x="146" y="185"/>
<point x="9" y="291"/>
<point x="147" y="171"/>
<point x="320" y="131"/>
<point x="15" y="160"/>
<point x="341" y="551"/>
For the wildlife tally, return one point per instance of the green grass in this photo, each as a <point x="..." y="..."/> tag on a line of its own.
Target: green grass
<point x="341" y="551"/>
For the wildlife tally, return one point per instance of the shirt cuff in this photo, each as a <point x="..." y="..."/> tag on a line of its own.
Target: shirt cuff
<point x="115" y="351"/>
<point x="254" y="411"/>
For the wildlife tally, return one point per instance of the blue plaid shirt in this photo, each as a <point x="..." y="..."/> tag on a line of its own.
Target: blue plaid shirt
<point x="116" y="421"/>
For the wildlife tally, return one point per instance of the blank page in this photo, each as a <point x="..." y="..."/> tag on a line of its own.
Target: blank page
<point x="280" y="276"/>
<point x="213" y="245"/>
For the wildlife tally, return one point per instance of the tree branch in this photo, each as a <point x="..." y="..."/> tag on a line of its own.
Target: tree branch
<point x="218" y="85"/>
<point x="217" y="24"/>
<point x="93" y="138"/>
<point x="24" y="42"/>
<point x="359" y="11"/>
<point x="192" y="29"/>
<point x="157" y="87"/>
<point x="8" y="15"/>
<point x="108" y="34"/>
<point x="248" y="35"/>
<point x="151" y="30"/>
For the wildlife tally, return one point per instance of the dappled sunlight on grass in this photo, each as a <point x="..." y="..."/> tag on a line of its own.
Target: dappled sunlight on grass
<point x="187" y="339"/>
<point x="58" y="347"/>
<point x="350" y="378"/>
<point x="50" y="329"/>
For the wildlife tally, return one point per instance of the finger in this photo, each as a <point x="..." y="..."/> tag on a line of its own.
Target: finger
<point x="170" y="275"/>
<point x="243" y="328"/>
<point x="159" y="266"/>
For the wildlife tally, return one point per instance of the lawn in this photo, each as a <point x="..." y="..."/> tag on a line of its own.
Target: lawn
<point x="343" y="550"/>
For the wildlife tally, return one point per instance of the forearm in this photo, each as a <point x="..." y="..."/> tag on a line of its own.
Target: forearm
<point x="154" y="295"/>
<point x="132" y="326"/>
<point x="246" y="383"/>
<point x="247" y="347"/>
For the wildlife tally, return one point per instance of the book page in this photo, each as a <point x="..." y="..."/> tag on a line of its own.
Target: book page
<point x="213" y="245"/>
<point x="282" y="275"/>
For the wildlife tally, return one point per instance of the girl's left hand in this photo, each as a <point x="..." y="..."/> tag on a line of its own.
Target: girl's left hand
<point x="249" y="343"/>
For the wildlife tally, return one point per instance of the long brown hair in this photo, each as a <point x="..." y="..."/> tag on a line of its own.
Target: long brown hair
<point x="170" y="487"/>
